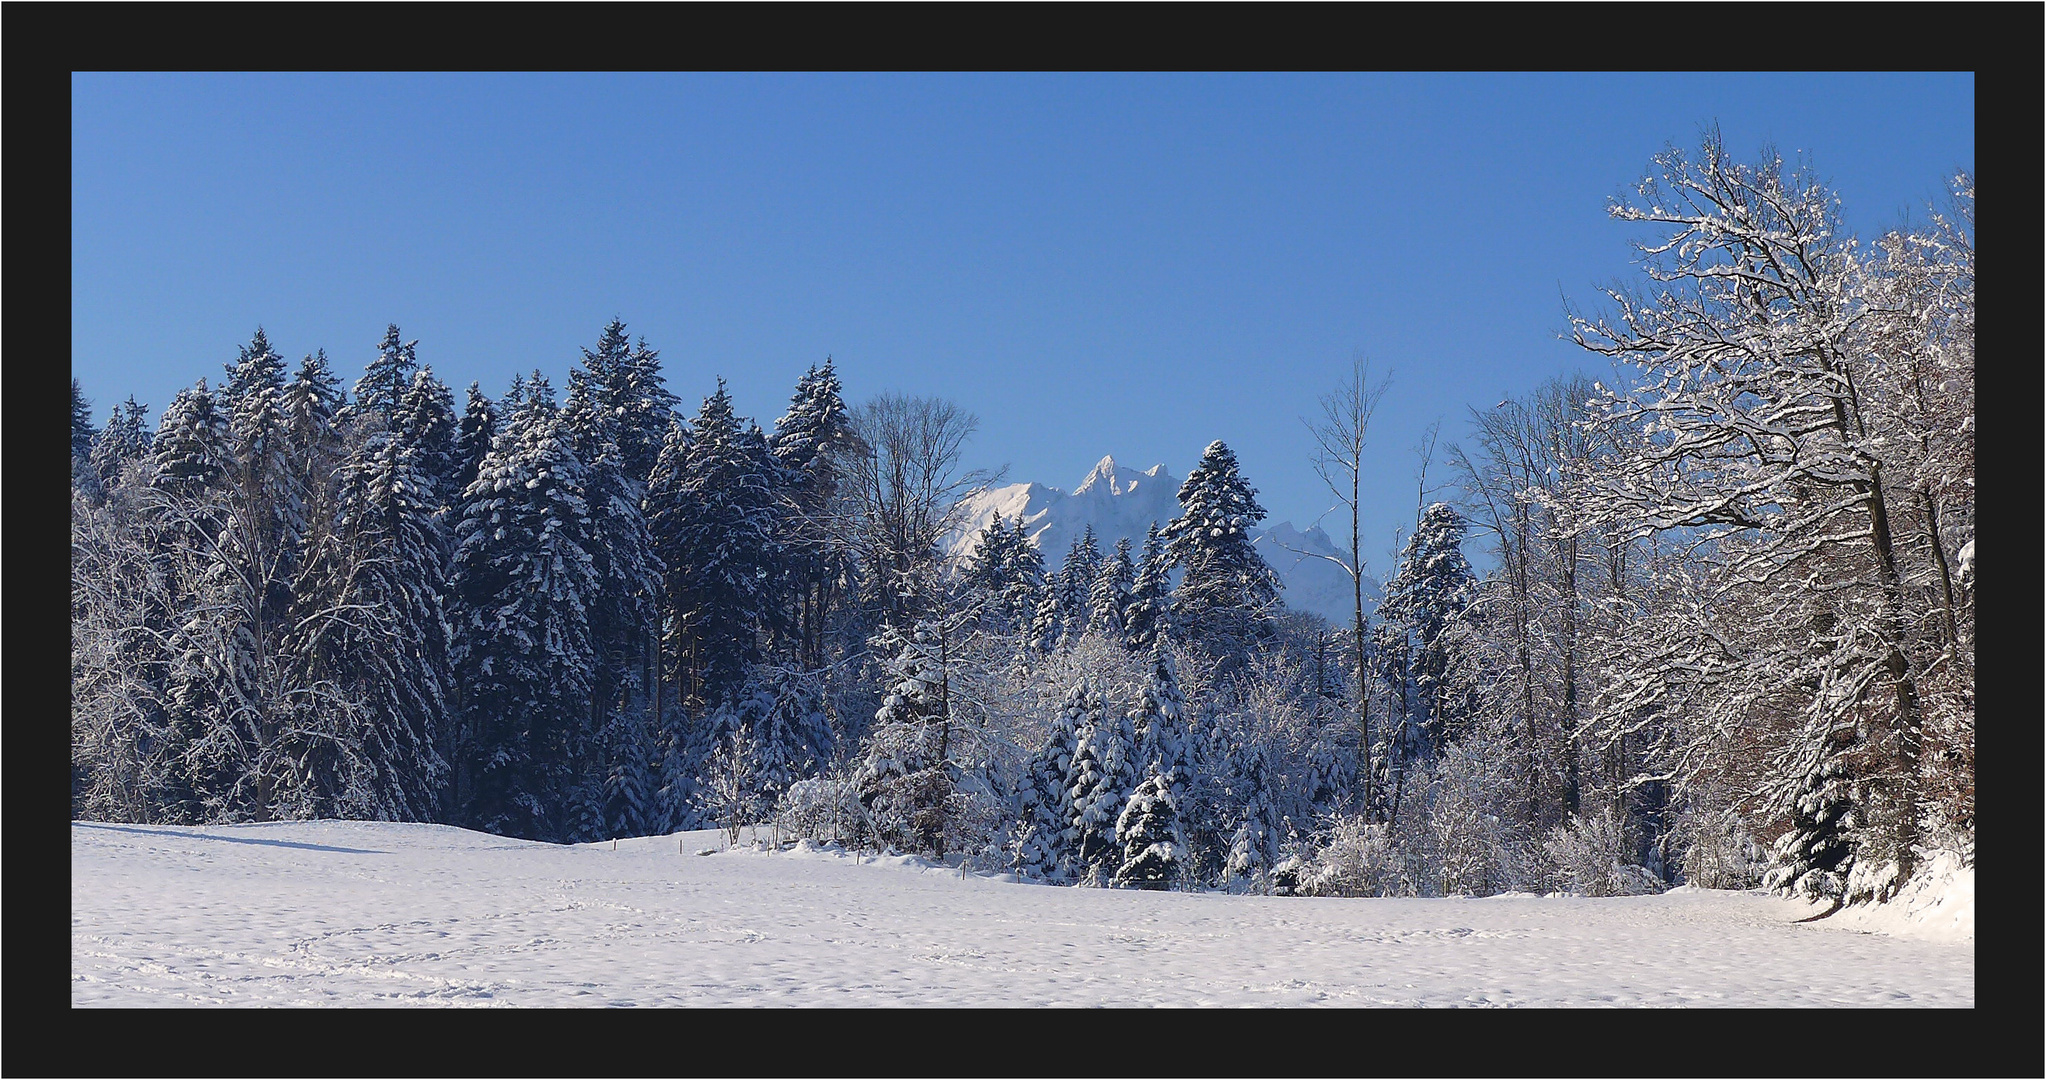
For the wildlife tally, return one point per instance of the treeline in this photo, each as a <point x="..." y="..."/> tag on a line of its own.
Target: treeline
<point x="1727" y="633"/>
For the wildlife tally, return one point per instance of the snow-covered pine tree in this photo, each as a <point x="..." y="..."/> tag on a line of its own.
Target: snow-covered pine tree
<point x="207" y="731"/>
<point x="191" y="449"/>
<point x="1813" y="858"/>
<point x="623" y="383"/>
<point x="257" y="559"/>
<point x="82" y="432"/>
<point x="1153" y="852"/>
<point x="312" y="403"/>
<point x="1164" y="737"/>
<point x="1076" y="580"/>
<point x="810" y="443"/>
<point x="1254" y="847"/>
<point x="1109" y="595"/>
<point x="1434" y="585"/>
<point x="645" y="409"/>
<point x="1227" y="590"/>
<point x="792" y="739"/>
<point x="1044" y="795"/>
<point x="1150" y="594"/>
<point x="632" y="779"/>
<point x="381" y="390"/>
<point x="124" y="440"/>
<point x="984" y="574"/>
<point x="713" y="511"/>
<point x="1207" y="810"/>
<point x="903" y="776"/>
<point x="1025" y="579"/>
<point x="426" y="416"/>
<point x="369" y="650"/>
<point x="623" y="612"/>
<point x="523" y="580"/>
<point x="1104" y="773"/>
<point x="472" y="442"/>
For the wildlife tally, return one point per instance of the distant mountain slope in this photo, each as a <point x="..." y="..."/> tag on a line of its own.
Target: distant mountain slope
<point x="1123" y="502"/>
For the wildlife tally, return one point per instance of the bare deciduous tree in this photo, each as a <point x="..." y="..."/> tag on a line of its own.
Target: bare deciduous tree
<point x="1339" y="437"/>
<point x="900" y="491"/>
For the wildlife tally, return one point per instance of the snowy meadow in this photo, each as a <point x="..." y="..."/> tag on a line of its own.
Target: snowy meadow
<point x="376" y="913"/>
<point x="388" y="689"/>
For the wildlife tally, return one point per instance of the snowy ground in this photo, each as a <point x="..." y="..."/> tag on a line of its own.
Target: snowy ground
<point x="362" y="913"/>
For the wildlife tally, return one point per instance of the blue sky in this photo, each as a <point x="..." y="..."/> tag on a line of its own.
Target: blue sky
<point x="1100" y="264"/>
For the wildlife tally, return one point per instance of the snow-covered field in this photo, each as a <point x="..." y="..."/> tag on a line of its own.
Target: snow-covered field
<point x="364" y="913"/>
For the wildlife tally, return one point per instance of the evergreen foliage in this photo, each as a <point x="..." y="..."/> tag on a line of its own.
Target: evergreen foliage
<point x="1433" y="587"/>
<point x="523" y="580"/>
<point x="1153" y="855"/>
<point x="381" y="390"/>
<point x="82" y="431"/>
<point x="1226" y="591"/>
<point x="714" y="510"/>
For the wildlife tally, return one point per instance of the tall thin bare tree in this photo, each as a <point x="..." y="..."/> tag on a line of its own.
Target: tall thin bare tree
<point x="1339" y="435"/>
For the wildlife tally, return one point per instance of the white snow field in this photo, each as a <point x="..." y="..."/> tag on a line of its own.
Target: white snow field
<point x="369" y="913"/>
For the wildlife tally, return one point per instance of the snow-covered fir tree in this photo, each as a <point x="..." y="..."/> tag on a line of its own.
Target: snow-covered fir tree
<point x="1044" y="794"/>
<point x="426" y="416"/>
<point x="810" y="443"/>
<point x="472" y="440"/>
<point x="1226" y="591"/>
<point x="714" y="510"/>
<point x="1150" y="594"/>
<point x="124" y="440"/>
<point x="1104" y="772"/>
<point x="1108" y="597"/>
<point x="1434" y="586"/>
<point x="1165" y="740"/>
<point x="372" y="721"/>
<point x="381" y="390"/>
<point x="82" y="431"/>
<point x="523" y="579"/>
<point x="1153" y="852"/>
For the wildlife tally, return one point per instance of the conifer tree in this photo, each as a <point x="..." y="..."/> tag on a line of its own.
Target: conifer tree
<point x="1150" y="594"/>
<point x="1434" y="585"/>
<point x="369" y="645"/>
<point x="1164" y="736"/>
<point x="523" y="580"/>
<point x="713" y="513"/>
<point x="1102" y="777"/>
<point x="1254" y="848"/>
<point x="987" y="565"/>
<point x="1108" y="596"/>
<point x="905" y="777"/>
<point x="191" y="448"/>
<point x="426" y="417"/>
<point x="312" y="403"/>
<point x="622" y="613"/>
<point x="82" y="433"/>
<point x="1025" y="577"/>
<point x="381" y="390"/>
<point x="622" y="382"/>
<point x="1227" y="590"/>
<point x="472" y="442"/>
<point x="123" y="441"/>
<point x="1813" y="859"/>
<point x="1153" y="853"/>
<point x="809" y="443"/>
<point x="1044" y="794"/>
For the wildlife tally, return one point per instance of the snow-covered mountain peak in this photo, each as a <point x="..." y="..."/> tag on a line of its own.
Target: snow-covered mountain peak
<point x="1118" y="481"/>
<point x="1122" y="503"/>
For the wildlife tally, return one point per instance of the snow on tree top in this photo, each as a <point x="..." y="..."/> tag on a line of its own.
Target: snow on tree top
<point x="1121" y="502"/>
